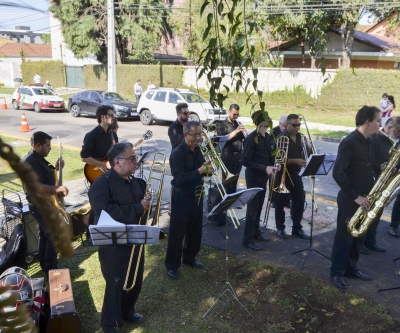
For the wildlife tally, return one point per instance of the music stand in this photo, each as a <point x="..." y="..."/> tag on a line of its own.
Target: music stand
<point x="393" y="288"/>
<point x="315" y="166"/>
<point x="230" y="201"/>
<point x="141" y="161"/>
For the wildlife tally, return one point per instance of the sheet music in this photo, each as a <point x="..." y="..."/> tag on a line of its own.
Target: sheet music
<point x="308" y="162"/>
<point x="106" y="220"/>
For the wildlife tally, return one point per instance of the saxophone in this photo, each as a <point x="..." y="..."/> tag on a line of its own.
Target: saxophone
<point x="380" y="196"/>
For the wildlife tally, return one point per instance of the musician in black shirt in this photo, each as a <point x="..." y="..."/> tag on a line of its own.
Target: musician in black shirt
<point x="293" y="182"/>
<point x="122" y="196"/>
<point x="187" y="168"/>
<point x="41" y="146"/>
<point x="259" y="163"/>
<point x="98" y="141"/>
<point x="175" y="130"/>
<point x="231" y="154"/>
<point x="354" y="173"/>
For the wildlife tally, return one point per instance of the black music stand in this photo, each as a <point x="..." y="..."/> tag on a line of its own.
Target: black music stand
<point x="230" y="201"/>
<point x="315" y="166"/>
<point x="141" y="161"/>
<point x="393" y="288"/>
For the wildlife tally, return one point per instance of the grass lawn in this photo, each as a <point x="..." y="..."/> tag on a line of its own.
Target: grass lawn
<point x="6" y="90"/>
<point x="279" y="300"/>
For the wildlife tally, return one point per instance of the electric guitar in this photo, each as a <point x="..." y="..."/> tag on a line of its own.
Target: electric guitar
<point x="92" y="172"/>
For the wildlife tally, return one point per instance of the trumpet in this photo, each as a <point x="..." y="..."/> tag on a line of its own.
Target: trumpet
<point x="304" y="143"/>
<point x="245" y="133"/>
<point x="154" y="192"/>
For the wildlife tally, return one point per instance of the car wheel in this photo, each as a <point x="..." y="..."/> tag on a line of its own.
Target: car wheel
<point x="36" y="107"/>
<point x="15" y="105"/>
<point x="75" y="111"/>
<point x="146" y="118"/>
<point x="194" y="117"/>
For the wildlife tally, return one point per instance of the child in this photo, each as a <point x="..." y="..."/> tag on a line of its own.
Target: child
<point x="384" y="101"/>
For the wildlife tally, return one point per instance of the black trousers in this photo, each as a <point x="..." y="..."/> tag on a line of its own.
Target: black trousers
<point x="297" y="195"/>
<point x="186" y="222"/>
<point x="254" y="178"/>
<point x="233" y="162"/>
<point x="47" y="253"/>
<point x="119" y="304"/>
<point x="395" y="220"/>
<point x="370" y="238"/>
<point x="346" y="248"/>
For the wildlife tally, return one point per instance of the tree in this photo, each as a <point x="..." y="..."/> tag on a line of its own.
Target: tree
<point x="140" y="25"/>
<point x="46" y="38"/>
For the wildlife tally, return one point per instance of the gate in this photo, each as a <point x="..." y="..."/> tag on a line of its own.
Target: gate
<point x="74" y="77"/>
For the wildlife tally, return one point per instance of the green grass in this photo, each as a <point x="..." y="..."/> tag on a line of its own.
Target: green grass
<point x="6" y="90"/>
<point x="8" y="179"/>
<point x="279" y="300"/>
<point x="329" y="134"/>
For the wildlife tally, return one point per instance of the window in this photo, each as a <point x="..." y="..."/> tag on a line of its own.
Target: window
<point x="160" y="96"/>
<point x="94" y="95"/>
<point x="173" y="98"/>
<point x="150" y="94"/>
<point x="84" y="95"/>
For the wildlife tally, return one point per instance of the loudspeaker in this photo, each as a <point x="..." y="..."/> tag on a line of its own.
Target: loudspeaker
<point x="79" y="218"/>
<point x="214" y="198"/>
<point x="31" y="227"/>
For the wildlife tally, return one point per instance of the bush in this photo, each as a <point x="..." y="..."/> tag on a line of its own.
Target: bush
<point x="1" y="84"/>
<point x="54" y="71"/>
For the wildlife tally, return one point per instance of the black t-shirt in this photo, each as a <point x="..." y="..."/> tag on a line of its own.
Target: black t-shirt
<point x="97" y="142"/>
<point x="235" y="144"/>
<point x="295" y="150"/>
<point x="175" y="133"/>
<point x="42" y="167"/>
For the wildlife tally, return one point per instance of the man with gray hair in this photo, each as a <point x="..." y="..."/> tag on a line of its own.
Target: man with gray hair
<point x="122" y="196"/>
<point x="381" y="145"/>
<point x="281" y="126"/>
<point x="188" y="168"/>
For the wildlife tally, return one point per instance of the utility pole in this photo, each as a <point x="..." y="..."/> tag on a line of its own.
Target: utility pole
<point x="111" y="72"/>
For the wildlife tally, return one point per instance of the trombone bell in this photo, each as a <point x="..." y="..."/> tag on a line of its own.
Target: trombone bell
<point x="230" y="178"/>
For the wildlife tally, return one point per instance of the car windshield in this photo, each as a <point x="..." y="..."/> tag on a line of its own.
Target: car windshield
<point x="43" y="91"/>
<point x="193" y="98"/>
<point x="111" y="96"/>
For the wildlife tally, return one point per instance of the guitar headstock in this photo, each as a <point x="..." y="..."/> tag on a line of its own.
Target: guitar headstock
<point x="147" y="135"/>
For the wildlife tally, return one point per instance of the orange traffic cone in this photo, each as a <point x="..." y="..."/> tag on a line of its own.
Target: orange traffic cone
<point x="24" y="124"/>
<point x="4" y="106"/>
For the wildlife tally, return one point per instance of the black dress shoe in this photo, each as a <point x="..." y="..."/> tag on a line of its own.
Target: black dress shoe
<point x="376" y="248"/>
<point x="300" y="233"/>
<point x="338" y="281"/>
<point x="272" y="204"/>
<point x="252" y="246"/>
<point x="194" y="264"/>
<point x="393" y="232"/>
<point x="261" y="238"/>
<point x="173" y="274"/>
<point x="282" y="234"/>
<point x="364" y="250"/>
<point x="135" y="318"/>
<point x="358" y="275"/>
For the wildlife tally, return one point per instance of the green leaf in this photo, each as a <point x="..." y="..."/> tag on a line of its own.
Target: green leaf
<point x="262" y="106"/>
<point x="203" y="7"/>
<point x="220" y="8"/>
<point x="206" y="32"/>
<point x="230" y="17"/>
<point x="223" y="28"/>
<point x="210" y="18"/>
<point x="329" y="314"/>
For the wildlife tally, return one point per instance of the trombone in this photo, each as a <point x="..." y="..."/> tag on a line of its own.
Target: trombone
<point x="154" y="188"/>
<point x="210" y="154"/>
<point x="304" y="140"/>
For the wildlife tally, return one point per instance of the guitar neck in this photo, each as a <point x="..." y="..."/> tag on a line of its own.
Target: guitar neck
<point x="138" y="143"/>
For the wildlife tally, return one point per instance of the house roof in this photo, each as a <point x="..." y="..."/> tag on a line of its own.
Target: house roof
<point x="5" y="40"/>
<point x="29" y="49"/>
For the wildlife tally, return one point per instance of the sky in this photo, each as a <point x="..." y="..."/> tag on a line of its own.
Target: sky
<point x="12" y="14"/>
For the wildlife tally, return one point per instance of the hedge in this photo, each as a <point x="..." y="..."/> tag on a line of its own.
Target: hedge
<point x="54" y="71"/>
<point x="95" y="76"/>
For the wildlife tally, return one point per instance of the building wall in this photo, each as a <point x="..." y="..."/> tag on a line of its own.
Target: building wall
<point x="7" y="74"/>
<point x="334" y="63"/>
<point x="271" y="79"/>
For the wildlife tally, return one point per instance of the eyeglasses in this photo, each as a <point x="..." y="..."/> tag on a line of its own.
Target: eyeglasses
<point x="235" y="114"/>
<point x="195" y="135"/>
<point x="132" y="159"/>
<point x="295" y="125"/>
<point x="112" y="115"/>
<point x="186" y="113"/>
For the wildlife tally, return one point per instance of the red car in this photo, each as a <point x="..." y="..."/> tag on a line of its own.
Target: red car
<point x="37" y="98"/>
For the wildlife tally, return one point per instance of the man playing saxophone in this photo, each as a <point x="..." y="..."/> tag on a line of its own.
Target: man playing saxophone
<point x="259" y="163"/>
<point x="293" y="182"/>
<point x="354" y="173"/>
<point x="381" y="145"/>
<point x="121" y="195"/>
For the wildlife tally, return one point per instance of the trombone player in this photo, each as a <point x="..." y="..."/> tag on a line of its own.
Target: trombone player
<point x="259" y="163"/>
<point x="293" y="182"/>
<point x="122" y="196"/>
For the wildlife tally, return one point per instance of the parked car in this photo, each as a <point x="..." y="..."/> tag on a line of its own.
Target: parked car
<point x="160" y="103"/>
<point x="87" y="102"/>
<point x="37" y="97"/>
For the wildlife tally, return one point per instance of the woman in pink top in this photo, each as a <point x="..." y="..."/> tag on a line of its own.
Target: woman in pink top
<point x="387" y="112"/>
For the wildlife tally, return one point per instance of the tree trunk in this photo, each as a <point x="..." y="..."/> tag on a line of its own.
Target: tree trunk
<point x="347" y="36"/>
<point x="313" y="62"/>
<point x="303" y="55"/>
<point x="118" y="48"/>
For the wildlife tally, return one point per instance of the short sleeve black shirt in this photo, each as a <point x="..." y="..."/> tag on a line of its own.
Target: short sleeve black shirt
<point x="295" y="150"/>
<point x="97" y="142"/>
<point x="234" y="145"/>
<point x="175" y="133"/>
<point x="257" y="151"/>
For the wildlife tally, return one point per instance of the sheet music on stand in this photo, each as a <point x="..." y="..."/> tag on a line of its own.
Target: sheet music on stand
<point x="235" y="200"/>
<point x="316" y="165"/>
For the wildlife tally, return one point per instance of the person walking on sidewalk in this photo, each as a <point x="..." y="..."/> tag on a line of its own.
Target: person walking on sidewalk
<point x="381" y="145"/>
<point x="137" y="87"/>
<point x="41" y="146"/>
<point x="354" y="173"/>
<point x="259" y="162"/>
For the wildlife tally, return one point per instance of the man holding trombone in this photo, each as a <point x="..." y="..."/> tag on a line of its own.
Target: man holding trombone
<point x="259" y="163"/>
<point x="292" y="181"/>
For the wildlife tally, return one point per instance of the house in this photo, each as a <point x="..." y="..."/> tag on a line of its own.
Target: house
<point x="22" y="34"/>
<point x="11" y="59"/>
<point x="369" y="51"/>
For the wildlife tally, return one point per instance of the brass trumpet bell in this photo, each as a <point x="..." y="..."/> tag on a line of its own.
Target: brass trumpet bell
<point x="230" y="178"/>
